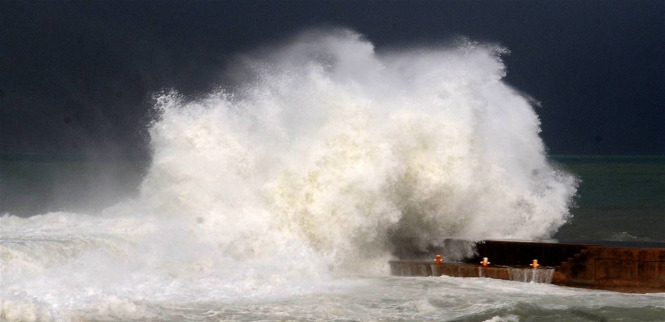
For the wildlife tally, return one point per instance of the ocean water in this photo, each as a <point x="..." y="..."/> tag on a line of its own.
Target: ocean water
<point x="283" y="197"/>
<point x="620" y="198"/>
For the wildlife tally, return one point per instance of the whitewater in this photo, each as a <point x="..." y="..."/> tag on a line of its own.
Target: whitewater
<point x="281" y="195"/>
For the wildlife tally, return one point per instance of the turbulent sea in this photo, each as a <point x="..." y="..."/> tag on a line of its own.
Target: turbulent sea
<point x="282" y="198"/>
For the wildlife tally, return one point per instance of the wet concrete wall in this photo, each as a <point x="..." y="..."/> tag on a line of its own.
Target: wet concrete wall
<point x="602" y="266"/>
<point x="630" y="269"/>
<point x="522" y="253"/>
<point x="427" y="268"/>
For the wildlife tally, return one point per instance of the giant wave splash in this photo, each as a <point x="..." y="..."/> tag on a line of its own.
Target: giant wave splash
<point x="320" y="158"/>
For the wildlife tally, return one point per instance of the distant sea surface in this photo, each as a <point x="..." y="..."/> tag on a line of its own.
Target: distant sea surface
<point x="620" y="198"/>
<point x="34" y="184"/>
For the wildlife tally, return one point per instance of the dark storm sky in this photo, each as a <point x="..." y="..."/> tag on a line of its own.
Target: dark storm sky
<point x="76" y="77"/>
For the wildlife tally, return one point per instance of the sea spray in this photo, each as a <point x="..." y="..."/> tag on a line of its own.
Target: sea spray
<point x="321" y="157"/>
<point x="343" y="149"/>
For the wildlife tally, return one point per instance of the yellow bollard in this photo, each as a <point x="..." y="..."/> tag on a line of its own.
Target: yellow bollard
<point x="485" y="262"/>
<point x="438" y="260"/>
<point x="535" y="264"/>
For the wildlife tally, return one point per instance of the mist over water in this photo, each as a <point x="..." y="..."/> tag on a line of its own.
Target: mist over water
<point x="324" y="155"/>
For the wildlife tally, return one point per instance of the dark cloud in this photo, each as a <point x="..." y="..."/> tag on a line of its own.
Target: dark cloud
<point x="77" y="76"/>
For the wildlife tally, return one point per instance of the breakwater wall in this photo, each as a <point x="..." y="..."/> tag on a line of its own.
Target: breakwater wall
<point x="618" y="268"/>
<point x="429" y="268"/>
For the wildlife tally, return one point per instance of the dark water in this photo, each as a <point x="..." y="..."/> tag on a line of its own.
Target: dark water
<point x="619" y="198"/>
<point x="32" y="184"/>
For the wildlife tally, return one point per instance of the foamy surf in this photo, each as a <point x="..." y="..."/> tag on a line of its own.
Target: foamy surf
<point x="322" y="155"/>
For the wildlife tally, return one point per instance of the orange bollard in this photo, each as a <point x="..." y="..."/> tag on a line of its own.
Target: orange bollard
<point x="485" y="262"/>
<point x="535" y="264"/>
<point x="438" y="260"/>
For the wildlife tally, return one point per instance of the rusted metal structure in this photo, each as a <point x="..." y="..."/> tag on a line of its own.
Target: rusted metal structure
<point x="618" y="267"/>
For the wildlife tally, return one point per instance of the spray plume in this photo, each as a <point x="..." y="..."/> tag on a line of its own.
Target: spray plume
<point x="344" y="150"/>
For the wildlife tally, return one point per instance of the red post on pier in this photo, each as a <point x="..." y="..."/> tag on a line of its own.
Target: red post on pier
<point x="534" y="264"/>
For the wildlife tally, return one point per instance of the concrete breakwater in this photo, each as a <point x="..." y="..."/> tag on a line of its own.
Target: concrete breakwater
<point x="624" y="268"/>
<point x="428" y="268"/>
